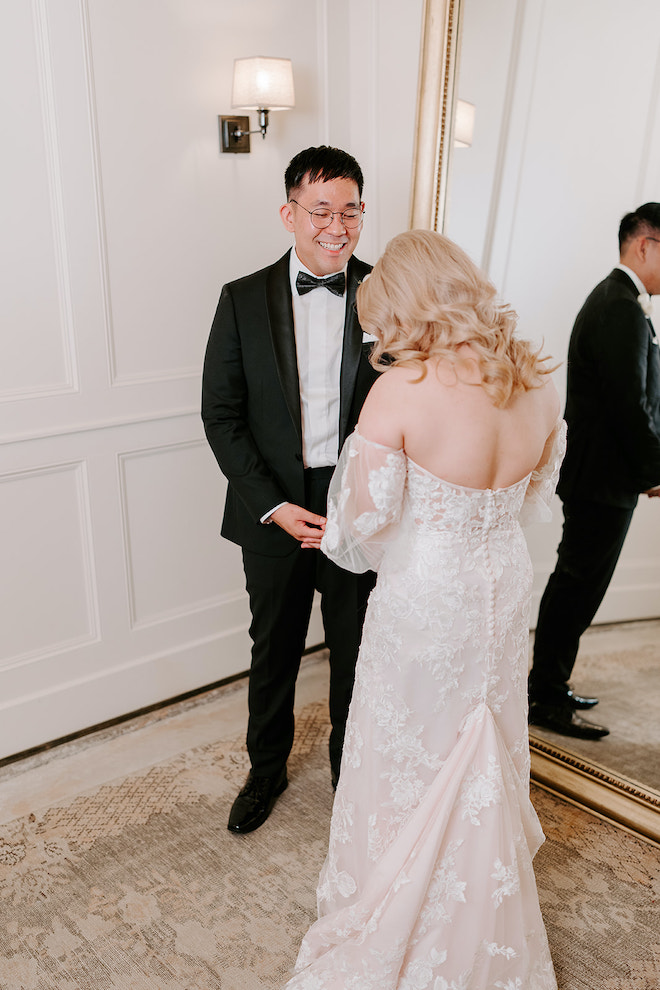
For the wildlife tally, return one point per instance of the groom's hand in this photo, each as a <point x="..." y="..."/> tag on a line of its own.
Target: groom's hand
<point x="302" y="525"/>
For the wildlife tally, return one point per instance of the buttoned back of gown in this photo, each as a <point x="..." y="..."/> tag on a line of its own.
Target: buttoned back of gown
<point x="428" y="881"/>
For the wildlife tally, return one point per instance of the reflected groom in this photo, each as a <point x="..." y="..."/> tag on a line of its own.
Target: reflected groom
<point x="285" y="376"/>
<point x="613" y="455"/>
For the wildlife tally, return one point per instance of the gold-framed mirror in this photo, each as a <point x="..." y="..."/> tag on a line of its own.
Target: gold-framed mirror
<point x="438" y="63"/>
<point x="556" y="764"/>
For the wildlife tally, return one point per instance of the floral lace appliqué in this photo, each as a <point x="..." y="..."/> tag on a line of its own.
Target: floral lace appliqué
<point x="481" y="791"/>
<point x="429" y="867"/>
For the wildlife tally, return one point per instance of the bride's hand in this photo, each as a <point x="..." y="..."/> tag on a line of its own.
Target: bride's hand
<point x="304" y="526"/>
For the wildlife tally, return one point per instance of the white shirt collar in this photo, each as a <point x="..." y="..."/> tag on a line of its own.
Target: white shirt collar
<point x="634" y="277"/>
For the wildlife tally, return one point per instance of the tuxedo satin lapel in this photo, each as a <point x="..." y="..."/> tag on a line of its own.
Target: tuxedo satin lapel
<point x="627" y="285"/>
<point x="280" y="318"/>
<point x="624" y="281"/>
<point x="351" y="351"/>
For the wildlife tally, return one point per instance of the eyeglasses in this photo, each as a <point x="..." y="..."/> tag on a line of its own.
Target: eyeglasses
<point x="656" y="239"/>
<point x="323" y="218"/>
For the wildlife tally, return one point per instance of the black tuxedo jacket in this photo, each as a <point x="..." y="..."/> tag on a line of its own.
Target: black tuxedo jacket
<point x="251" y="399"/>
<point x="613" y="399"/>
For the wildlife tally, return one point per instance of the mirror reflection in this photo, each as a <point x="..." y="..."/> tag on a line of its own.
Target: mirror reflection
<point x="566" y="140"/>
<point x="622" y="661"/>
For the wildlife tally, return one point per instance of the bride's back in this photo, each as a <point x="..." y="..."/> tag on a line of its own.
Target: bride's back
<point x="448" y="424"/>
<point x="436" y="318"/>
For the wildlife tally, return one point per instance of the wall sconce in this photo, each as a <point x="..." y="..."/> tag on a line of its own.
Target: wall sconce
<point x="260" y="83"/>
<point x="463" y="124"/>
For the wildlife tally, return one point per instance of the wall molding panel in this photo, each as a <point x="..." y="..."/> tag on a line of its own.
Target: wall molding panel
<point x="225" y="607"/>
<point x="54" y="373"/>
<point x="34" y="551"/>
<point x="172" y="375"/>
<point x="53" y="157"/>
<point x="111" y="423"/>
<point x="72" y="705"/>
<point x="97" y="182"/>
<point x="123" y="223"/>
<point x="173" y="489"/>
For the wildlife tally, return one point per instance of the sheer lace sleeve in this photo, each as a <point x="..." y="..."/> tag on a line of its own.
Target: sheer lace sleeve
<point x="364" y="503"/>
<point x="543" y="482"/>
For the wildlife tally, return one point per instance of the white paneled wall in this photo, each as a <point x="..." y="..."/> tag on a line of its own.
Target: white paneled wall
<point x="119" y="222"/>
<point x="567" y="140"/>
<point x="38" y="554"/>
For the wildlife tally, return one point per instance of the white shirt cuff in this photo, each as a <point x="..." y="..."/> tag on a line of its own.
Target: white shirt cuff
<point x="266" y="518"/>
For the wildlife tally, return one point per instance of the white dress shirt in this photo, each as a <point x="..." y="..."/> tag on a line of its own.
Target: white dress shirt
<point x="318" y="321"/>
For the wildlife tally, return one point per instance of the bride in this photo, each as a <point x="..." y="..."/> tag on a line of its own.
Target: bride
<point x="428" y="881"/>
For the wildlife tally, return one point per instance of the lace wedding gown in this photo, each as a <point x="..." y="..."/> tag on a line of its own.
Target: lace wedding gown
<point x="428" y="882"/>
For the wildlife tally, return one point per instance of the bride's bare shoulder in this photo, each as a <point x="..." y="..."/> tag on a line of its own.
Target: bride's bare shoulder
<point x="393" y="382"/>
<point x="399" y="375"/>
<point x="383" y="414"/>
<point x="549" y="397"/>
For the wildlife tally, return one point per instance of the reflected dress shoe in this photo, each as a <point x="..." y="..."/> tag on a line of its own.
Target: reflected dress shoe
<point x="255" y="801"/>
<point x="577" y="701"/>
<point x="565" y="721"/>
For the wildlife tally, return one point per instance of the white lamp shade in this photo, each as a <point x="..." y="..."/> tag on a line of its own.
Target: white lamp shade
<point x="263" y="83"/>
<point x="463" y="124"/>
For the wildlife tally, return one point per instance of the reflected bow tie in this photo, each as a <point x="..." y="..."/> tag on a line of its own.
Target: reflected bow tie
<point x="305" y="283"/>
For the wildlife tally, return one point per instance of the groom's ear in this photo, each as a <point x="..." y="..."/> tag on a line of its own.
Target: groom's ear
<point x="286" y="214"/>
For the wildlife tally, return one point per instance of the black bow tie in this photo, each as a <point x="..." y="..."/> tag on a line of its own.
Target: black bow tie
<point x="336" y="283"/>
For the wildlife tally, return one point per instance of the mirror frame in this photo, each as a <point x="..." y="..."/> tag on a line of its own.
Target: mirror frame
<point x="625" y="802"/>
<point x="438" y="64"/>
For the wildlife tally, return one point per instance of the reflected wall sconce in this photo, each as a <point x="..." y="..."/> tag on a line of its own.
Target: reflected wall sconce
<point x="261" y="83"/>
<point x="463" y="124"/>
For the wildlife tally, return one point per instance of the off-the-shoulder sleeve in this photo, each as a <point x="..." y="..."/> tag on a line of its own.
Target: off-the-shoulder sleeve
<point x="543" y="482"/>
<point x="364" y="504"/>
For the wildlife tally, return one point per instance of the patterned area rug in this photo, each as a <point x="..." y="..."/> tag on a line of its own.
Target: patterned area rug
<point x="139" y="885"/>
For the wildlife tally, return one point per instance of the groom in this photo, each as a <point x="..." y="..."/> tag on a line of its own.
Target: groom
<point x="613" y="455"/>
<point x="285" y="376"/>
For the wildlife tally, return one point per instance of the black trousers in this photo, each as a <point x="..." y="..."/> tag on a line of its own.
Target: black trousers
<point x="592" y="540"/>
<point x="281" y="590"/>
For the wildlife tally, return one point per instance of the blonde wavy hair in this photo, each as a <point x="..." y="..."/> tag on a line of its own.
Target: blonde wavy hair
<point x="425" y="297"/>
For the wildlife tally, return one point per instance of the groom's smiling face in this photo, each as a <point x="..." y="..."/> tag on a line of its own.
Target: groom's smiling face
<point x="324" y="251"/>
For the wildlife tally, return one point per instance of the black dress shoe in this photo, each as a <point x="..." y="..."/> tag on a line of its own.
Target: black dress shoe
<point x="577" y="701"/>
<point x="334" y="777"/>
<point x="255" y="801"/>
<point x="565" y="721"/>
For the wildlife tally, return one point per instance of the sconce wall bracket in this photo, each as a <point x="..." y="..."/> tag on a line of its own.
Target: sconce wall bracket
<point x="235" y="134"/>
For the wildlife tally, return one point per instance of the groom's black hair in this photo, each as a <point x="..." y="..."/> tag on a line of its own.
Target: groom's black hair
<point x="643" y="220"/>
<point x="321" y="165"/>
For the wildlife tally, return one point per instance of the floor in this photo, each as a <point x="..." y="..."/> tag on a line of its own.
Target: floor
<point x="134" y="872"/>
<point x="58" y="774"/>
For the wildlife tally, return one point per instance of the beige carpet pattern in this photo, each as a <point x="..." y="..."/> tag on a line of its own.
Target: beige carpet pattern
<point x="138" y="885"/>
